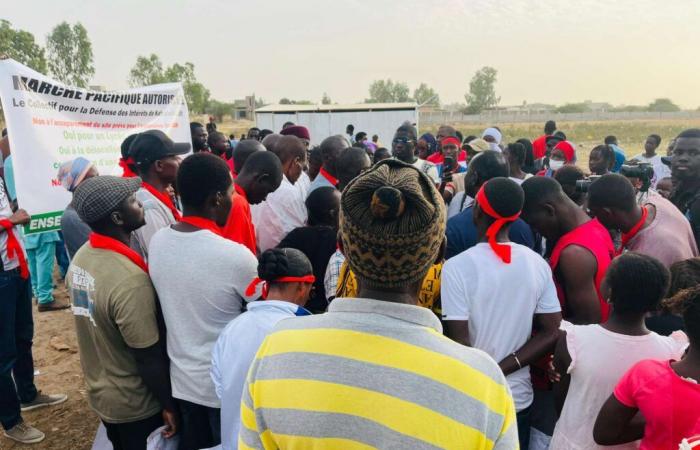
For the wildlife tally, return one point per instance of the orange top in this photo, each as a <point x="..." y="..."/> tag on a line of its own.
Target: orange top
<point x="239" y="226"/>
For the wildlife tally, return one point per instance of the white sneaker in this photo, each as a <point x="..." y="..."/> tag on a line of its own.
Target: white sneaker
<point x="42" y="400"/>
<point x="25" y="434"/>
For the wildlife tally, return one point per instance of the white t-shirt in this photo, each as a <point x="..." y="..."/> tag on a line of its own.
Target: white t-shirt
<point x="519" y="181"/>
<point x="661" y="170"/>
<point x="499" y="300"/>
<point x="5" y="213"/>
<point x="234" y="352"/>
<point x="599" y="358"/>
<point x="427" y="168"/>
<point x="201" y="280"/>
<point x="282" y="211"/>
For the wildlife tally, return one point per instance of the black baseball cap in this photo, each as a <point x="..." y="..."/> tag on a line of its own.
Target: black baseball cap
<point x="153" y="145"/>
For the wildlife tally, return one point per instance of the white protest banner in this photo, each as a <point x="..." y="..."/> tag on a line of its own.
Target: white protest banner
<point x="50" y="123"/>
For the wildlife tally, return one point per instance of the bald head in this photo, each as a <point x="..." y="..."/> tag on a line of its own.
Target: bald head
<point x="271" y="141"/>
<point x="483" y="167"/>
<point x="261" y="175"/>
<point x="243" y="150"/>
<point x="546" y="206"/>
<point x="287" y="148"/>
<point x="331" y="147"/>
<point x="539" y="190"/>
<point x="446" y="130"/>
<point x="291" y="151"/>
<point x="352" y="162"/>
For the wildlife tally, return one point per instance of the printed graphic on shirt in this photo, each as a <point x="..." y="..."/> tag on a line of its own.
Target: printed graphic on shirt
<point x="428" y="297"/>
<point x="83" y="290"/>
<point x="4" y="200"/>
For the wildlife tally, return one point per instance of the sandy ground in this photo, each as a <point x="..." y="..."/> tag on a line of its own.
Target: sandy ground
<point x="71" y="425"/>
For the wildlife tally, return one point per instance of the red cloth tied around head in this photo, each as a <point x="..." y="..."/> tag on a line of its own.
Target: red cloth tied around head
<point x="266" y="287"/>
<point x="124" y="164"/>
<point x="14" y="248"/>
<point x="502" y="250"/>
<point x="450" y="140"/>
<point x="568" y="149"/>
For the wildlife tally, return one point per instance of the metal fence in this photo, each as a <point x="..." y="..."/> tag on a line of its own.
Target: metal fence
<point x="438" y="117"/>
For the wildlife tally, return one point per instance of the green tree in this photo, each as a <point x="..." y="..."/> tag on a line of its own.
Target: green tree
<point x="325" y="100"/>
<point x="219" y="109"/>
<point x="482" y="91"/>
<point x="388" y="91"/>
<point x="629" y="108"/>
<point x="149" y="70"/>
<point x="20" y="46"/>
<point x="70" y="54"/>
<point x="286" y="101"/>
<point x="146" y="71"/>
<point x="426" y="95"/>
<point x="663" y="105"/>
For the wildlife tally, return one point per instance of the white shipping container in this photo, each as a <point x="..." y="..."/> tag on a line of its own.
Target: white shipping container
<point x="322" y="121"/>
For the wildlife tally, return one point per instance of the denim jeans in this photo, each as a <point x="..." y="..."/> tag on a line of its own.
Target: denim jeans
<point x="41" y="261"/>
<point x="16" y="333"/>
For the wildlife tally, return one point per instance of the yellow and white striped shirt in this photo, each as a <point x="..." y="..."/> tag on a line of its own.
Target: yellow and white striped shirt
<point x="373" y="374"/>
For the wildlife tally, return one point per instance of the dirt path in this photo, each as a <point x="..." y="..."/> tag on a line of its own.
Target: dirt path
<point x="71" y="425"/>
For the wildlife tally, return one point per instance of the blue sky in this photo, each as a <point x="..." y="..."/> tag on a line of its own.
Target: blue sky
<point x="623" y="52"/>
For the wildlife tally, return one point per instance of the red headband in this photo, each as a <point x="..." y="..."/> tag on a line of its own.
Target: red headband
<point x="502" y="250"/>
<point x="450" y="140"/>
<point x="266" y="287"/>
<point x="124" y="164"/>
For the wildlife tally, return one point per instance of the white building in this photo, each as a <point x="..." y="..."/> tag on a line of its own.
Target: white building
<point x="326" y="120"/>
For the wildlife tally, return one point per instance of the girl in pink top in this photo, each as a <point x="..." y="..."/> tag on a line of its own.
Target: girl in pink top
<point x="666" y="393"/>
<point x="593" y="358"/>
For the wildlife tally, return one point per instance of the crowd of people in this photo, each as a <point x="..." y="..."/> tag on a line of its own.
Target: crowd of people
<point x="444" y="292"/>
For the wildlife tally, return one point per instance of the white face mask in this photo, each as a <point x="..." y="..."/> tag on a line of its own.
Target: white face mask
<point x="555" y="165"/>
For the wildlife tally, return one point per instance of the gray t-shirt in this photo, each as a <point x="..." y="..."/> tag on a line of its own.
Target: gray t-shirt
<point x="75" y="231"/>
<point x="201" y="280"/>
<point x="157" y="216"/>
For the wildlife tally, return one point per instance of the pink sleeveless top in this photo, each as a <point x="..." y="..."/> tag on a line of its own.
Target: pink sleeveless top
<point x="592" y="236"/>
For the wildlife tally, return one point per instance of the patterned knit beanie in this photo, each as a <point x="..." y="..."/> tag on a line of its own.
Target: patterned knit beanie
<point x="392" y="224"/>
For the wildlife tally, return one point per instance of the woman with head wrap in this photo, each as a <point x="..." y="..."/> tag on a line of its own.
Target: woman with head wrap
<point x="70" y="175"/>
<point x="563" y="153"/>
<point x="493" y="136"/>
<point x="426" y="146"/>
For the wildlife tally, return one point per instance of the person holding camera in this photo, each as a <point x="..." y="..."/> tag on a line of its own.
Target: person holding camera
<point x="650" y="156"/>
<point x="655" y="228"/>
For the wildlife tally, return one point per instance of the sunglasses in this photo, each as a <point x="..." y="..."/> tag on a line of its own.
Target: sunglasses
<point x="402" y="141"/>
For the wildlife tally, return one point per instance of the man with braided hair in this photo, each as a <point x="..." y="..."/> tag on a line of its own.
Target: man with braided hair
<point x="490" y="291"/>
<point x="375" y="371"/>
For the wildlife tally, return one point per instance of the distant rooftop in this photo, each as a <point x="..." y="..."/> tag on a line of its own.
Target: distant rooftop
<point x="335" y="108"/>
